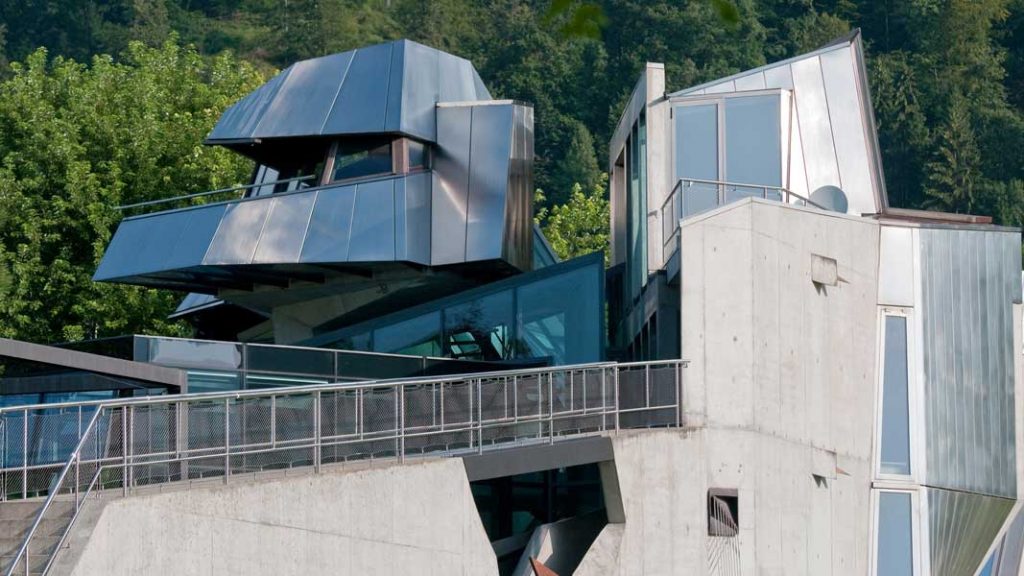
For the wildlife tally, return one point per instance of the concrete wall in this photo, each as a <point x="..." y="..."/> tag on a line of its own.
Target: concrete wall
<point x="396" y="520"/>
<point x="780" y="389"/>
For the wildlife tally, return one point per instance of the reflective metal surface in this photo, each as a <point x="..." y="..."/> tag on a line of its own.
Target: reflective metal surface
<point x="961" y="529"/>
<point x="833" y="142"/>
<point x="969" y="282"/>
<point x="481" y="197"/>
<point x="391" y="87"/>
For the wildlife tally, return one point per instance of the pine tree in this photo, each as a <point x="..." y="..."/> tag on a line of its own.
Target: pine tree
<point x="954" y="172"/>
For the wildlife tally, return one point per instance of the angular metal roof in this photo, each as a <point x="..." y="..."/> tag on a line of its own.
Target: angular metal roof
<point x="392" y="87"/>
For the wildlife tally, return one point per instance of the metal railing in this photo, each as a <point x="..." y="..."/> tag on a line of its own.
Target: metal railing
<point x="219" y="191"/>
<point x="691" y="196"/>
<point x="128" y="444"/>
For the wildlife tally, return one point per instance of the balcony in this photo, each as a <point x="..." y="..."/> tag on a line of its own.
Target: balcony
<point x="690" y="197"/>
<point x="272" y="239"/>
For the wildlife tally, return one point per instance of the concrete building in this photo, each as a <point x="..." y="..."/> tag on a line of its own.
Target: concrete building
<point x="393" y="373"/>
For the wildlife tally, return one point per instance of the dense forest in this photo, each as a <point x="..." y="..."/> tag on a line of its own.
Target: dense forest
<point x="104" y="103"/>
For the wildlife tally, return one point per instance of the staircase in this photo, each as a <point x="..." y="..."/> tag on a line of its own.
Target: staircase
<point x="16" y="518"/>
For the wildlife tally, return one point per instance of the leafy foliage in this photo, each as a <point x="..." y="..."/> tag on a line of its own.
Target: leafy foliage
<point x="947" y="78"/>
<point x="75" y="142"/>
<point x="581" y="226"/>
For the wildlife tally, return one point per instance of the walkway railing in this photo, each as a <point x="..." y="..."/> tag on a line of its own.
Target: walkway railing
<point x="231" y="193"/>
<point x="692" y="196"/>
<point x="127" y="444"/>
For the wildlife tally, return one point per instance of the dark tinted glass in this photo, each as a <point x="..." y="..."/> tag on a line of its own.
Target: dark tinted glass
<point x="289" y="360"/>
<point x="356" y="160"/>
<point x="417" y="154"/>
<point x="480" y="329"/>
<point x="560" y="317"/>
<point x="419" y="336"/>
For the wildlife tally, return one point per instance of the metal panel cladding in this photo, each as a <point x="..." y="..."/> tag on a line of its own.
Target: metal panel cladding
<point x="961" y="528"/>
<point x="391" y="87"/>
<point x="970" y="280"/>
<point x="481" y="191"/>
<point x="833" y="138"/>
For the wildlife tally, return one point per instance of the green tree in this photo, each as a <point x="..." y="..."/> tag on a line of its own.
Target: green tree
<point x="954" y="172"/>
<point x="581" y="225"/>
<point x="77" y="141"/>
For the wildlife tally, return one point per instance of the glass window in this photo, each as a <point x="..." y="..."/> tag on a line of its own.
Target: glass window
<point x="417" y="154"/>
<point x="289" y="360"/>
<point x="420" y="336"/>
<point x="895" y="448"/>
<point x="636" y="216"/>
<point x="359" y="159"/>
<point x="558" y="319"/>
<point x="753" y="147"/>
<point x="480" y="329"/>
<point x="895" y="556"/>
<point x="213" y="382"/>
<point x="697" y="155"/>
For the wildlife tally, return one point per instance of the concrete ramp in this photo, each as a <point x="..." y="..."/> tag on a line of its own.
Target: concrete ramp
<point x="397" y="519"/>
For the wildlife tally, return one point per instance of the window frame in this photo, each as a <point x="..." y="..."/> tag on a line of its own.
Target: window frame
<point x="913" y="395"/>
<point x="718" y="100"/>
<point x="916" y="527"/>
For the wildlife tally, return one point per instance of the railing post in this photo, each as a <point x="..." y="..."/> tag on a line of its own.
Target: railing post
<point x="551" y="407"/>
<point x="78" y="463"/>
<point x="480" y="416"/>
<point x="24" y="454"/>
<point x="398" y="427"/>
<point x="28" y="545"/>
<point x="227" y="439"/>
<point x="604" y="399"/>
<point x="615" y="383"/>
<point x="273" y="421"/>
<point x="316" y="432"/>
<point x="401" y="423"/>
<point x="124" y="450"/>
<point x="679" y="394"/>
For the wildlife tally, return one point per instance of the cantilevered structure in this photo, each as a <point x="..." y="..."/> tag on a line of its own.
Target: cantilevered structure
<point x="395" y="375"/>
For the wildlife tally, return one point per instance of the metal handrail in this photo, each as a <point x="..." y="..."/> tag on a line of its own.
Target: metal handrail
<point x="359" y="424"/>
<point x="669" y="234"/>
<point x="75" y="456"/>
<point x="295" y="390"/>
<point x="212" y="192"/>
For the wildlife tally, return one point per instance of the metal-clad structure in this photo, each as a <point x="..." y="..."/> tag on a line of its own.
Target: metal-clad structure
<point x="962" y="527"/>
<point x="471" y="203"/>
<point x="833" y="141"/>
<point x="970" y="279"/>
<point x="482" y="178"/>
<point x="391" y="87"/>
<point x="375" y="221"/>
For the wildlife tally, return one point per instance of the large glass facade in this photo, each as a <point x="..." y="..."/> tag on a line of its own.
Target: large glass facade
<point x="555" y="313"/>
<point x="895" y="439"/>
<point x="752" y="145"/>
<point x="481" y="329"/>
<point x="420" y="336"/>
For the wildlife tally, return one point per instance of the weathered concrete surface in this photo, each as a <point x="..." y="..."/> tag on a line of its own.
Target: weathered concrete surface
<point x="779" y="400"/>
<point x="395" y="520"/>
<point x="603" y="555"/>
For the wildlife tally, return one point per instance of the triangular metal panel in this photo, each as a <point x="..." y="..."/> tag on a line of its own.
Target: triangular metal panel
<point x="962" y="527"/>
